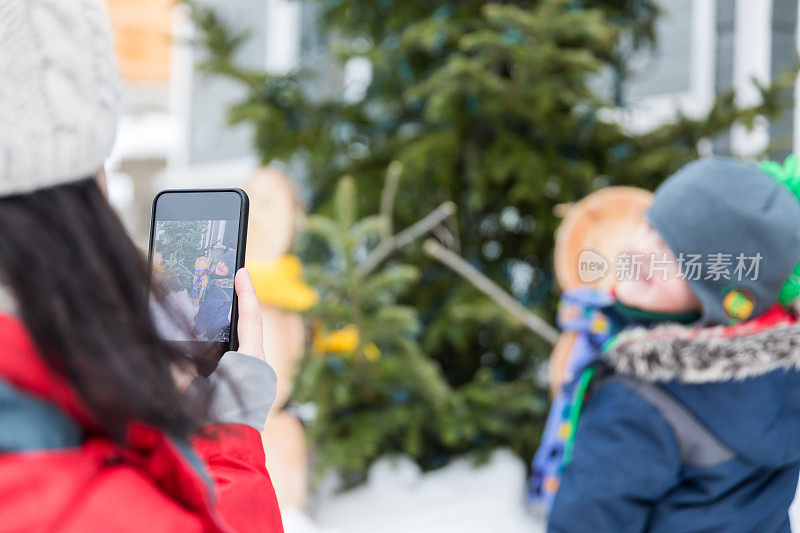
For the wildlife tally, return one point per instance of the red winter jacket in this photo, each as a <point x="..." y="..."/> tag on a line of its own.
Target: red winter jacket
<point x="57" y="475"/>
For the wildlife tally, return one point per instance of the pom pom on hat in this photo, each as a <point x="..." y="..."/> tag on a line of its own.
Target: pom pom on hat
<point x="60" y="92"/>
<point x="789" y="175"/>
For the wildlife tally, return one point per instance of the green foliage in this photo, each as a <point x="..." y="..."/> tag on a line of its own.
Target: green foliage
<point x="365" y="404"/>
<point x="489" y="105"/>
<point x="180" y="250"/>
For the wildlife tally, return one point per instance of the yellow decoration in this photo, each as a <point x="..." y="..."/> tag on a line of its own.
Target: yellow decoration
<point x="372" y="352"/>
<point x="279" y="283"/>
<point x="565" y="431"/>
<point x="739" y="304"/>
<point x="599" y="324"/>
<point x="344" y="341"/>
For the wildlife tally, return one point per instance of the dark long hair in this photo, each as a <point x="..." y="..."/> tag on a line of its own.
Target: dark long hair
<point x="81" y="290"/>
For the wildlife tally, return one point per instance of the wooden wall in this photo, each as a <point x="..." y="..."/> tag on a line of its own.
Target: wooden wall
<point x="142" y="38"/>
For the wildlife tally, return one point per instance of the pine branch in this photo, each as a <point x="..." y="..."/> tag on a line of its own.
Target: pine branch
<point x="488" y="287"/>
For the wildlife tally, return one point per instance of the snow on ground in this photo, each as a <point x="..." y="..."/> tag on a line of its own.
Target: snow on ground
<point x="458" y="498"/>
<point x="398" y="498"/>
<point x="794" y="513"/>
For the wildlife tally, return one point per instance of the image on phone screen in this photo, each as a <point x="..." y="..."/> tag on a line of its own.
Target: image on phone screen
<point x="194" y="262"/>
<point x="196" y="248"/>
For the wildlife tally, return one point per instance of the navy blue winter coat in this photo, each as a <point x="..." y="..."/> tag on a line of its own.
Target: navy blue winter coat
<point x="689" y="430"/>
<point x="213" y="315"/>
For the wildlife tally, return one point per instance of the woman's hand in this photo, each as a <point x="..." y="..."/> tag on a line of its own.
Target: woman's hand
<point x="251" y="332"/>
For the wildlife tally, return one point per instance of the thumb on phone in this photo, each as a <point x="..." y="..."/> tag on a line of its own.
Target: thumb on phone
<point x="251" y="332"/>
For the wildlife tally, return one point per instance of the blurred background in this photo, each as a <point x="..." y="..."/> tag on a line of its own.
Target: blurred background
<point x="408" y="165"/>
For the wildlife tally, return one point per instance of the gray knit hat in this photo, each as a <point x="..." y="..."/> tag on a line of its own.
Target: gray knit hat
<point x="723" y="206"/>
<point x="228" y="257"/>
<point x="59" y="92"/>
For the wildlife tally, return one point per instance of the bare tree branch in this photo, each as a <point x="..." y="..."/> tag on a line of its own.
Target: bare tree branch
<point x="488" y="287"/>
<point x="405" y="237"/>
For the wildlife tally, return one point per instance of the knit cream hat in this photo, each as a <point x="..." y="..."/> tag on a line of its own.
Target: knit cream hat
<point x="59" y="92"/>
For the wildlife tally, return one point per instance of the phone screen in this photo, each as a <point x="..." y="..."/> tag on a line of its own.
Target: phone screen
<point x="197" y="245"/>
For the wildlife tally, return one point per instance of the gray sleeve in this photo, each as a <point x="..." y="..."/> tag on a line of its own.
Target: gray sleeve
<point x="244" y="389"/>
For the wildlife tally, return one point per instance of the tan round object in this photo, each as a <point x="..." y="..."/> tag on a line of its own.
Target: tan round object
<point x="558" y="361"/>
<point x="273" y="214"/>
<point x="294" y="336"/>
<point x="594" y="231"/>
<point x="287" y="459"/>
<point x="284" y="341"/>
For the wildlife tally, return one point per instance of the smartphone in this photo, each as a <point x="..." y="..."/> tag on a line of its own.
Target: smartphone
<point x="197" y="244"/>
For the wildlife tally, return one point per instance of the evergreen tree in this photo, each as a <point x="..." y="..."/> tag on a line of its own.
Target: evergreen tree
<point x="180" y="248"/>
<point x="491" y="106"/>
<point x="372" y="388"/>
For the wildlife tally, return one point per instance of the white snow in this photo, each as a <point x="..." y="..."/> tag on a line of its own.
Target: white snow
<point x="397" y="497"/>
<point x="794" y="513"/>
<point x="458" y="498"/>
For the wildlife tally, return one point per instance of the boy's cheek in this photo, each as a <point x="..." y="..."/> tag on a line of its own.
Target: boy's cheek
<point x="633" y="293"/>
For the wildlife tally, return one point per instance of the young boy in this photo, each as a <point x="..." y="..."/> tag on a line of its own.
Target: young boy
<point x="696" y="427"/>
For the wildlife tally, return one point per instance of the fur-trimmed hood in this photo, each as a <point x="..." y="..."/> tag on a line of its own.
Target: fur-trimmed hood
<point x="700" y="355"/>
<point x="742" y="381"/>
